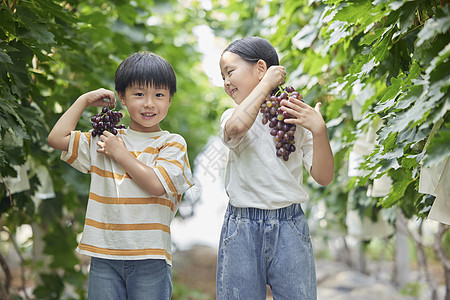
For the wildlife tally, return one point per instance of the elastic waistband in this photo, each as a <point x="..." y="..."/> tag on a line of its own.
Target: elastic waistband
<point x="265" y="214"/>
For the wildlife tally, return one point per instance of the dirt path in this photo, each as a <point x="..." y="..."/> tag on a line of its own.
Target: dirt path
<point x="196" y="269"/>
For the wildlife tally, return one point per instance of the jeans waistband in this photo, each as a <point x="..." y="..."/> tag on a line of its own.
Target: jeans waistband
<point x="265" y="214"/>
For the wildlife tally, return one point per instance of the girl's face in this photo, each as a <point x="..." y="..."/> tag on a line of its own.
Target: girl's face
<point x="239" y="76"/>
<point x="147" y="106"/>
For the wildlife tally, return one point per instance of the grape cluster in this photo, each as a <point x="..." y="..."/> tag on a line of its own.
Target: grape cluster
<point x="106" y="120"/>
<point x="283" y="133"/>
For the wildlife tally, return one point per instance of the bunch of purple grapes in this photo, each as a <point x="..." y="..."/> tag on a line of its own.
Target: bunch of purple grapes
<point x="106" y="120"/>
<point x="283" y="133"/>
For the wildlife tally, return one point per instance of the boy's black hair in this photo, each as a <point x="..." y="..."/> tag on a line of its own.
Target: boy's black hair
<point x="252" y="49"/>
<point x="145" y="68"/>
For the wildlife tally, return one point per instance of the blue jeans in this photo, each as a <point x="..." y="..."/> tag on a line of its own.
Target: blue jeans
<point x="129" y="279"/>
<point x="265" y="247"/>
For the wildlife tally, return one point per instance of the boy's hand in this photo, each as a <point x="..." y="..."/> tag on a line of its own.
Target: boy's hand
<point x="99" y="97"/>
<point x="111" y="145"/>
<point x="275" y="76"/>
<point x="304" y="115"/>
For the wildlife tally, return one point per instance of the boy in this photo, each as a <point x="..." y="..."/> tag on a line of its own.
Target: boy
<point x="137" y="179"/>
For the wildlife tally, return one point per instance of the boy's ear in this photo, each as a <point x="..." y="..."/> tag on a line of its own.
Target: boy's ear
<point x="121" y="98"/>
<point x="261" y="68"/>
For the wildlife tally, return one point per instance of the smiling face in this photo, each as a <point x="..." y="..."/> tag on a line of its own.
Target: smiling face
<point x="147" y="106"/>
<point x="239" y="76"/>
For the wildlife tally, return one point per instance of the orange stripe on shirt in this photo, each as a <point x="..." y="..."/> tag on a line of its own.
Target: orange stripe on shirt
<point x="186" y="161"/>
<point x="149" y="150"/>
<point x="167" y="179"/>
<point x="153" y="150"/>
<point x="178" y="164"/>
<point x="176" y="145"/>
<point x="127" y="227"/>
<point x="129" y="200"/>
<point x="172" y="161"/>
<point x="76" y="144"/>
<point x="88" y="137"/>
<point x="125" y="252"/>
<point x="108" y="174"/>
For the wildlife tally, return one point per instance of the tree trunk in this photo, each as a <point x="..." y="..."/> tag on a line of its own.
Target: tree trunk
<point x="402" y="267"/>
<point x="443" y="257"/>
<point x="4" y="286"/>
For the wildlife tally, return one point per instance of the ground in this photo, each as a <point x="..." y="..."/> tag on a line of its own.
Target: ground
<point x="196" y="270"/>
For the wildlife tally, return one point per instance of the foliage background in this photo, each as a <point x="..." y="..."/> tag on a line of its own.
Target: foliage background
<point x="52" y="52"/>
<point x="386" y="71"/>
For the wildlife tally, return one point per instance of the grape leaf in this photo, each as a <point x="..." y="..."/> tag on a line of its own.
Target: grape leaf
<point x="434" y="27"/>
<point x="305" y="37"/>
<point x="4" y="58"/>
<point x="400" y="185"/>
<point x="439" y="147"/>
<point x="381" y="49"/>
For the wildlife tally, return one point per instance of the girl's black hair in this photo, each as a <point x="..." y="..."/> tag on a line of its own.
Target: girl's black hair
<point x="145" y="68"/>
<point x="252" y="49"/>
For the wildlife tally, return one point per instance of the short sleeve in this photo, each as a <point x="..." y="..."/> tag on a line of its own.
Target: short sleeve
<point x="307" y="147"/>
<point x="223" y="120"/>
<point x="78" y="154"/>
<point x="172" y="166"/>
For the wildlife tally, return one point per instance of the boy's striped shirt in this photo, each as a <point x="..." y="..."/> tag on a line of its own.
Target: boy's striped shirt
<point x="122" y="220"/>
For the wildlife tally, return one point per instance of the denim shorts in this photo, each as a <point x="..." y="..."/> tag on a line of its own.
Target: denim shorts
<point x="266" y="247"/>
<point x="148" y="279"/>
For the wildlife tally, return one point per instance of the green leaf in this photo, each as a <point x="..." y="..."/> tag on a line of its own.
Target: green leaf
<point x="411" y="96"/>
<point x="338" y="31"/>
<point x="369" y="38"/>
<point x="439" y="147"/>
<point x="381" y="49"/>
<point x="33" y="30"/>
<point x="38" y="33"/>
<point x="352" y="12"/>
<point x="441" y="58"/>
<point x="4" y="58"/>
<point x="6" y="21"/>
<point x="127" y="13"/>
<point x="51" y="288"/>
<point x="305" y="37"/>
<point x="394" y="90"/>
<point x="400" y="185"/>
<point x="433" y="27"/>
<point x="414" y="71"/>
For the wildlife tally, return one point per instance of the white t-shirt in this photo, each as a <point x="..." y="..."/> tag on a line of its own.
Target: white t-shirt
<point x="123" y="221"/>
<point x="256" y="177"/>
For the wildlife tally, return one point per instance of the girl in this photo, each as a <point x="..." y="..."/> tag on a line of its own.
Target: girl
<point x="265" y="236"/>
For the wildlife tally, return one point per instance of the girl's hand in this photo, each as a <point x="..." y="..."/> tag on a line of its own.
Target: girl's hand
<point x="274" y="77"/>
<point x="111" y="145"/>
<point x="100" y="97"/>
<point x="304" y="115"/>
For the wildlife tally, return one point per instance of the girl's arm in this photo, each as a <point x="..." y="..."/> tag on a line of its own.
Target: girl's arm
<point x="59" y="137"/>
<point x="114" y="147"/>
<point x="322" y="168"/>
<point x="245" y="114"/>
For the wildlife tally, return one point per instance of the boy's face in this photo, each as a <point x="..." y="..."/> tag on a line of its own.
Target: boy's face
<point x="147" y="106"/>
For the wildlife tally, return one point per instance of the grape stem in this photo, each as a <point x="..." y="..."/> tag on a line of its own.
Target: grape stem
<point x="280" y="90"/>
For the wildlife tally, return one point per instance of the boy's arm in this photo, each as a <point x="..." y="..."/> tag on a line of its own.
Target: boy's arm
<point x="322" y="168"/>
<point x="114" y="147"/>
<point x="59" y="136"/>
<point x="245" y="114"/>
